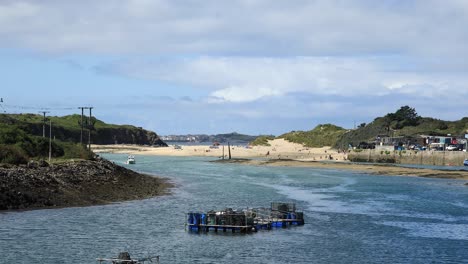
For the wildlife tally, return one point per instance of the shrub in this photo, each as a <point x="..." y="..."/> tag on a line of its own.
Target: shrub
<point x="42" y="148"/>
<point x="12" y="154"/>
<point x="72" y="150"/>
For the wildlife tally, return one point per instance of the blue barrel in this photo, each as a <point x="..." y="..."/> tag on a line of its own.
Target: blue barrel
<point x="196" y="218"/>
<point x="203" y="219"/>
<point x="190" y="218"/>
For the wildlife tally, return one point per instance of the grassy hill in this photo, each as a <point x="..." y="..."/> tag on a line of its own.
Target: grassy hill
<point x="393" y="126"/>
<point x="21" y="137"/>
<point x="321" y="135"/>
<point x="404" y="122"/>
<point x="262" y="141"/>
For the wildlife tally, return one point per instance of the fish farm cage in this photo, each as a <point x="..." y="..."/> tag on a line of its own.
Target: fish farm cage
<point x="247" y="220"/>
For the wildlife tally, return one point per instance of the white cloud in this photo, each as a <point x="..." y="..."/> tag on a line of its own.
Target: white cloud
<point x="245" y="79"/>
<point x="309" y="28"/>
<point x="257" y="60"/>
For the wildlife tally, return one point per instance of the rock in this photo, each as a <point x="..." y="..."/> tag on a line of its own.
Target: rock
<point x="43" y="163"/>
<point x="32" y="164"/>
<point x="78" y="183"/>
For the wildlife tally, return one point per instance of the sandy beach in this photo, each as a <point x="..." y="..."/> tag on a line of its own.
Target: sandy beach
<point x="282" y="153"/>
<point x="279" y="149"/>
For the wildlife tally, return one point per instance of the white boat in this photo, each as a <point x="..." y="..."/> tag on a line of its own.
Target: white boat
<point x="131" y="159"/>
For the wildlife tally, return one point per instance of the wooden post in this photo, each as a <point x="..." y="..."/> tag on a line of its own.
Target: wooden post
<point x="223" y="151"/>
<point x="90" y="126"/>
<point x="81" y="137"/>
<point x="229" y="148"/>
<point x="50" y="139"/>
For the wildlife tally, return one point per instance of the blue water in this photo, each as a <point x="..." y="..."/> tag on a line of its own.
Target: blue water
<point x="350" y="218"/>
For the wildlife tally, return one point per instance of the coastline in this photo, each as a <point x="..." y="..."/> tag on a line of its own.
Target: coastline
<point x="374" y="169"/>
<point x="284" y="153"/>
<point x="278" y="149"/>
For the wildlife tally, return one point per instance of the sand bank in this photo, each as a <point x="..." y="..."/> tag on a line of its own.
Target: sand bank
<point x="376" y="169"/>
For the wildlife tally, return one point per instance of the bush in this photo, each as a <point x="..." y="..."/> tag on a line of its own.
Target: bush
<point x="13" y="135"/>
<point x="42" y="148"/>
<point x="73" y="151"/>
<point x="12" y="154"/>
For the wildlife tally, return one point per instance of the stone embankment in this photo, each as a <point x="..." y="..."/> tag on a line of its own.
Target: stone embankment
<point x="428" y="157"/>
<point x="74" y="183"/>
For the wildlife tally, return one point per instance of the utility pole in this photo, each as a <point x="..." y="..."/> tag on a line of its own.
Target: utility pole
<point x="1" y="106"/>
<point x="90" y="125"/>
<point x="81" y="123"/>
<point x="50" y="139"/>
<point x="43" y="122"/>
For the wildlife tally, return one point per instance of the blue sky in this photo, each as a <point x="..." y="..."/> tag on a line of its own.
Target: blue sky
<point x="251" y="66"/>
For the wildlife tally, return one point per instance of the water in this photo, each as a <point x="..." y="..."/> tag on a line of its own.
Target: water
<point x="350" y="218"/>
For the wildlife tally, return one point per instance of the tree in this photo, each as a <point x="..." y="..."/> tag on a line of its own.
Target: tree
<point x="405" y="116"/>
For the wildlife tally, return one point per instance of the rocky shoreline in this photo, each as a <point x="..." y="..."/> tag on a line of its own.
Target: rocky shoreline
<point x="74" y="183"/>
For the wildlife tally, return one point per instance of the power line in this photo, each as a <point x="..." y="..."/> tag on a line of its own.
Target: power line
<point x="38" y="107"/>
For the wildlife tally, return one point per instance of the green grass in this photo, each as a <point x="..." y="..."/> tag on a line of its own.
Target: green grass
<point x="262" y="141"/>
<point x="21" y="138"/>
<point x="322" y="135"/>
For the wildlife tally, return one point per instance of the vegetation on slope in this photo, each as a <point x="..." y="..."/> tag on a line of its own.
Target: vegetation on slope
<point x="404" y="122"/>
<point x="68" y="128"/>
<point x="17" y="147"/>
<point x="262" y="141"/>
<point x="21" y="137"/>
<point x="321" y="135"/>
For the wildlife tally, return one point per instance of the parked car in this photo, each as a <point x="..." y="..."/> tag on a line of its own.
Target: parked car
<point x="451" y="148"/>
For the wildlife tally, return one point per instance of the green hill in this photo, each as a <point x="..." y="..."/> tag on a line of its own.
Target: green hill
<point x="404" y="122"/>
<point x="21" y="136"/>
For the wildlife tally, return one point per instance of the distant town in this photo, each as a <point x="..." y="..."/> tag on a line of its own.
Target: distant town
<point x="230" y="137"/>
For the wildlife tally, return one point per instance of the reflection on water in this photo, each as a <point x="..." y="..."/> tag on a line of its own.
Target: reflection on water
<point x="350" y="218"/>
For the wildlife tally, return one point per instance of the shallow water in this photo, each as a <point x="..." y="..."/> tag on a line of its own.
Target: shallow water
<point x="350" y="218"/>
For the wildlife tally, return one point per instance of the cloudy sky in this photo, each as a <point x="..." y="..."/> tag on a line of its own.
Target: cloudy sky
<point x="251" y="66"/>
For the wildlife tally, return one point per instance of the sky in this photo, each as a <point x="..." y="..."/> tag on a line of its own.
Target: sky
<point x="248" y="66"/>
